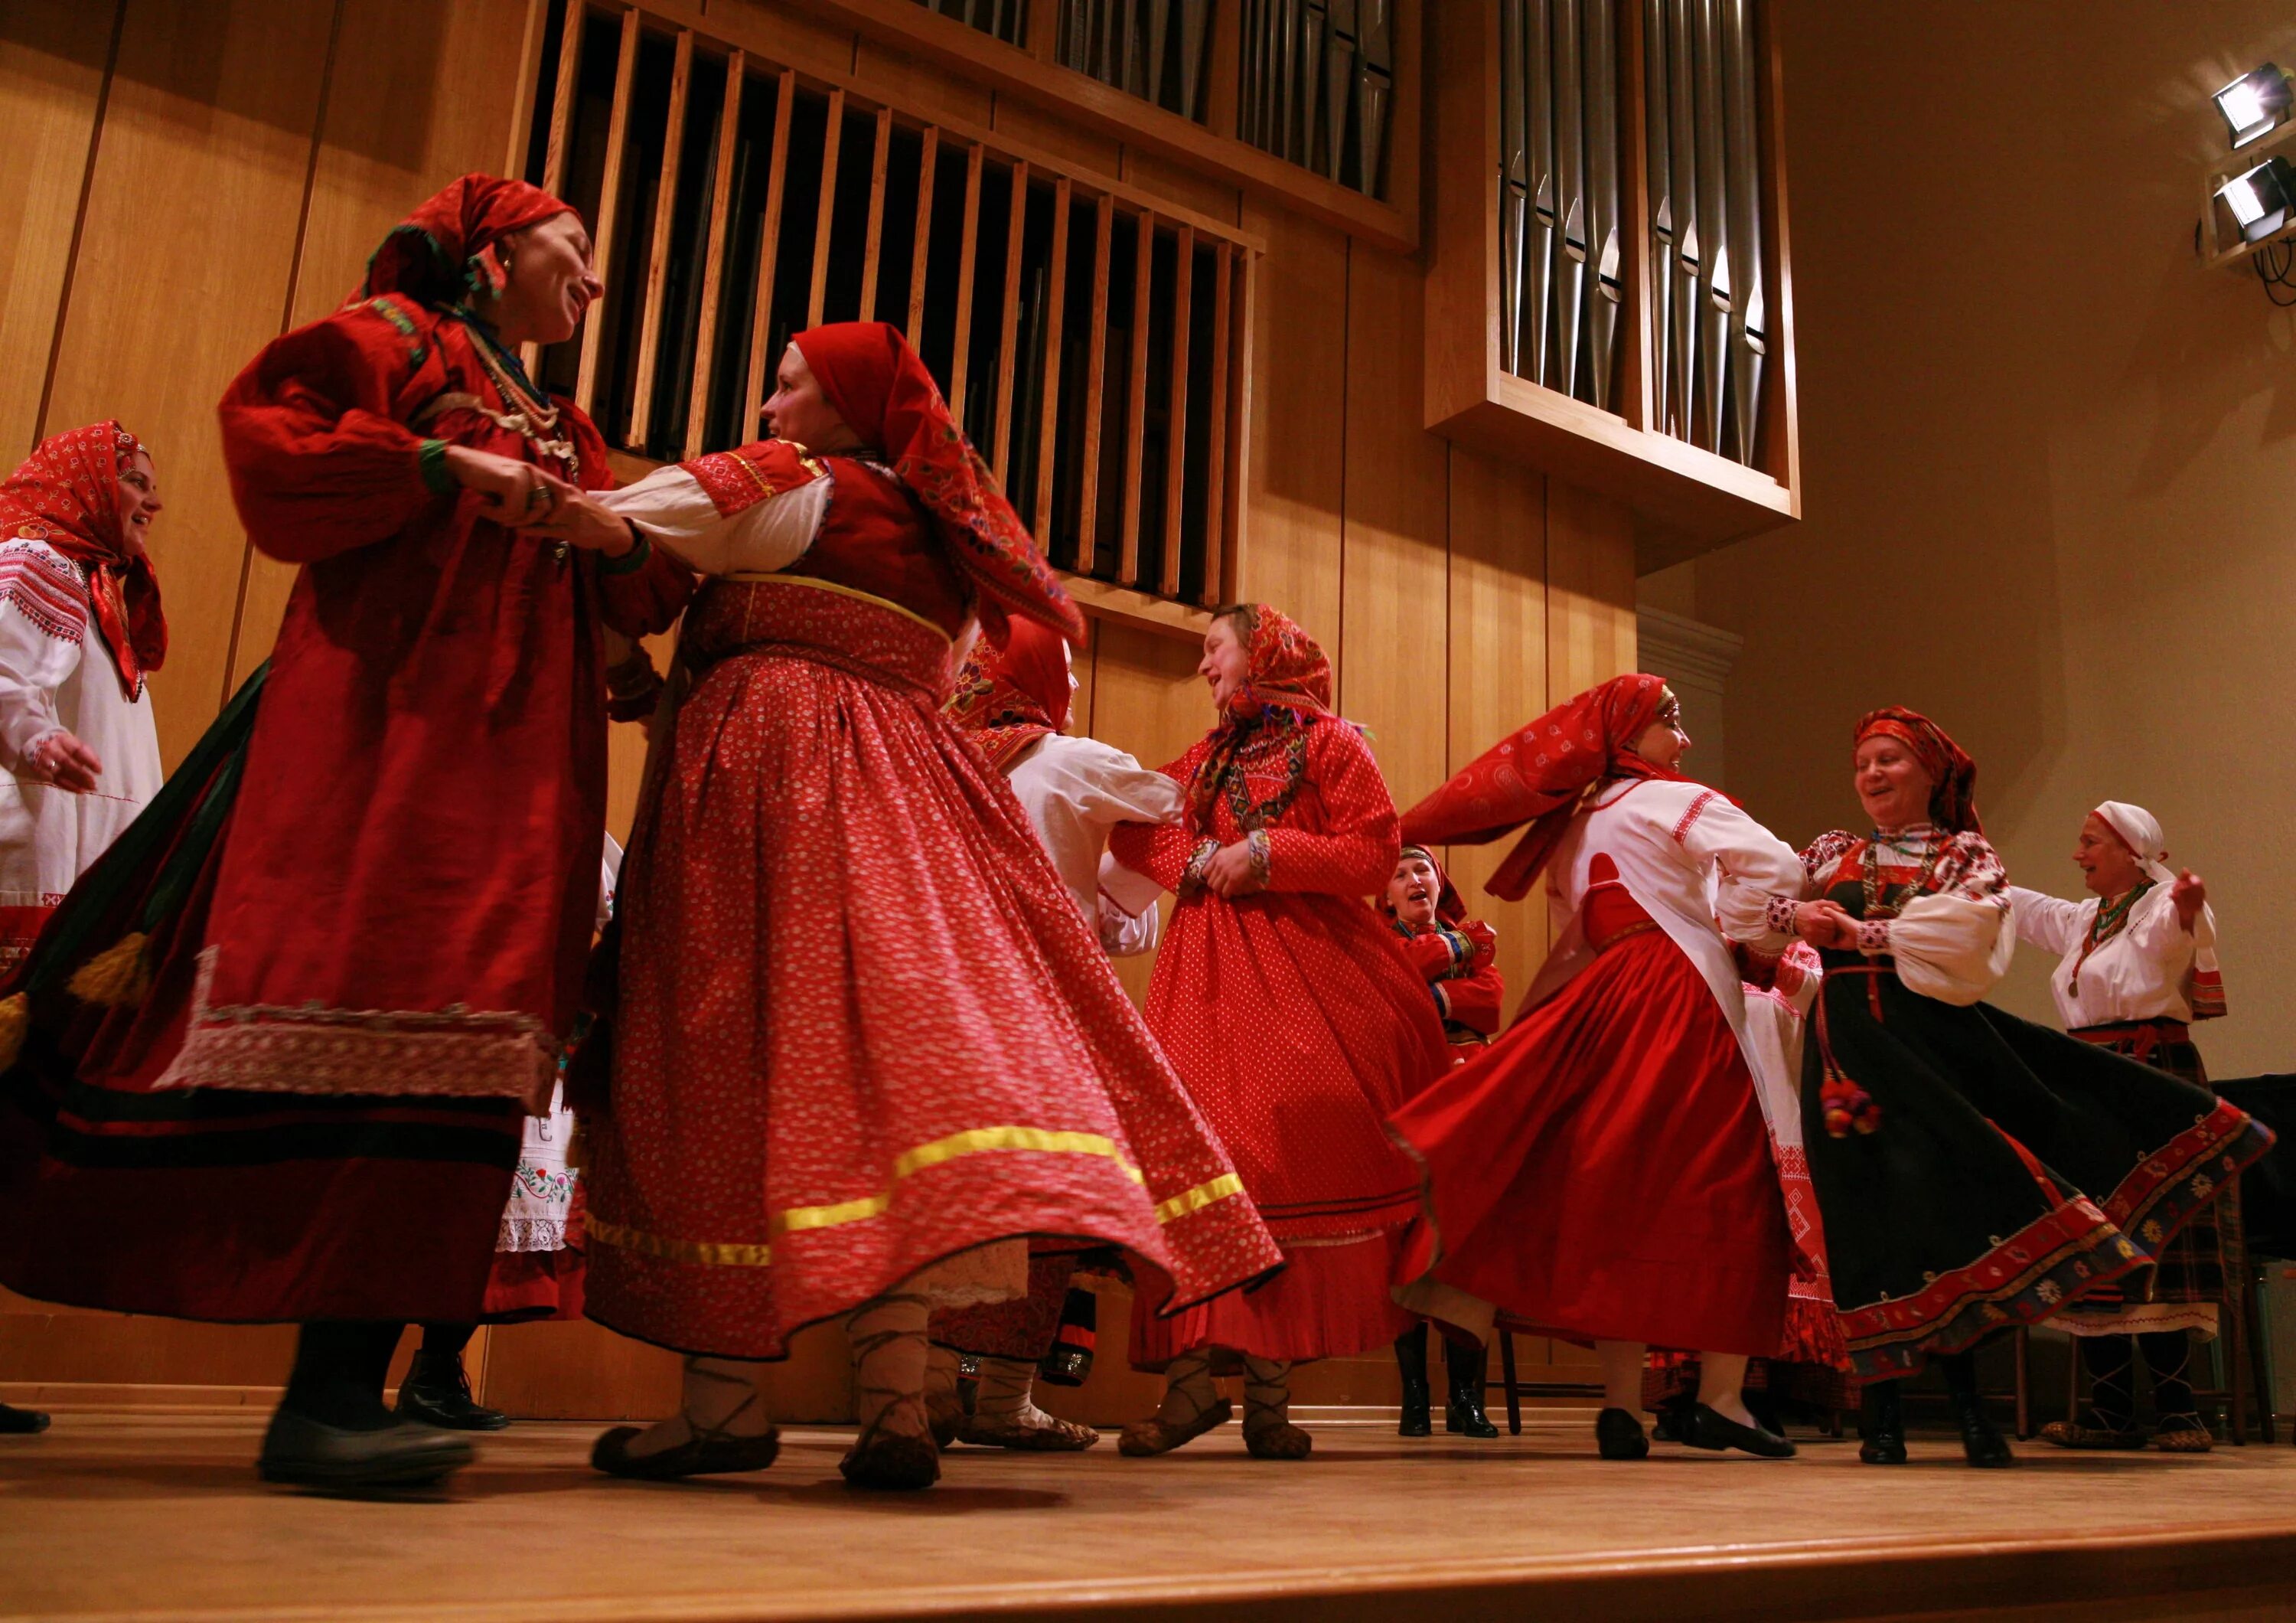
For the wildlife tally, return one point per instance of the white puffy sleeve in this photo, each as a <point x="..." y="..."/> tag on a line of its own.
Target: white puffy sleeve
<point x="2048" y="922"/>
<point x="1753" y="869"/>
<point x="1953" y="946"/>
<point x="767" y="535"/>
<point x="43" y="634"/>
<point x="1125" y="934"/>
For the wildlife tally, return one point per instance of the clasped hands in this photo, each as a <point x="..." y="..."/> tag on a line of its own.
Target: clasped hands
<point x="518" y="496"/>
<point x="1823" y="924"/>
<point x="1230" y="873"/>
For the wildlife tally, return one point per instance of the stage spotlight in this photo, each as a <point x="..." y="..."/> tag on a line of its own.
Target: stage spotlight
<point x="2260" y="199"/>
<point x="2254" y="104"/>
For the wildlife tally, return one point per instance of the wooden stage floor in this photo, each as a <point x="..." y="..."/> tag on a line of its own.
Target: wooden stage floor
<point x="118" y="1516"/>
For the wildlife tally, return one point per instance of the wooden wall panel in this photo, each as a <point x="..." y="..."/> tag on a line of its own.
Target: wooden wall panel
<point x="186" y="252"/>
<point x="1295" y="477"/>
<point x="1497" y="667"/>
<point x="416" y="98"/>
<point x="1395" y="562"/>
<point x="51" y="71"/>
<point x="1590" y="590"/>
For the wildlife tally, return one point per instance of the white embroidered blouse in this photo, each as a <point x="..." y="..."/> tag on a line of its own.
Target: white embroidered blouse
<point x="2143" y="971"/>
<point x="56" y="675"/>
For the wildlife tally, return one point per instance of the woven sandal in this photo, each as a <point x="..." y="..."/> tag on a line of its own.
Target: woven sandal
<point x="1144" y="1438"/>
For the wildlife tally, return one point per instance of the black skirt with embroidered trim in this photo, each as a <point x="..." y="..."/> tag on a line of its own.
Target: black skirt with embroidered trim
<point x="2012" y="1169"/>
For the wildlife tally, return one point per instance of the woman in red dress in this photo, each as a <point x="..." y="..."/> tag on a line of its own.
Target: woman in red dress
<point x="865" y="1044"/>
<point x="1296" y="1019"/>
<point x="1459" y="956"/>
<point x="1604" y="1171"/>
<point x="346" y="941"/>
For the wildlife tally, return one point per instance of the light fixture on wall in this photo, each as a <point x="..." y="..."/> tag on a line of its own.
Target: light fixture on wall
<point x="2254" y="104"/>
<point x="2260" y="198"/>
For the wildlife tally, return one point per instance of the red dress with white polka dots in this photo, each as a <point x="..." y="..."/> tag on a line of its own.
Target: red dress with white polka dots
<point x="1299" y="1025"/>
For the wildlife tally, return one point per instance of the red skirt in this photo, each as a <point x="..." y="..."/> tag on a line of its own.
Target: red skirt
<point x="862" y="1026"/>
<point x="1299" y="1028"/>
<point x="1604" y="1171"/>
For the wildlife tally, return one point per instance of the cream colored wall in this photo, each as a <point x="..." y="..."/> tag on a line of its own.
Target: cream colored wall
<point x="2051" y="462"/>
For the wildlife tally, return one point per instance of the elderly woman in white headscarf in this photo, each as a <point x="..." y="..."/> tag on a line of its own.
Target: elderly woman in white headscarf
<point x="2139" y="965"/>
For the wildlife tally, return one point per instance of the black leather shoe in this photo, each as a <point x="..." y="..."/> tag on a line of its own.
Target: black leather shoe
<point x="1411" y="1362"/>
<point x="1980" y="1440"/>
<point x="20" y="1422"/>
<point x="437" y="1392"/>
<point x="311" y="1453"/>
<point x="1715" y="1432"/>
<point x="1463" y="1414"/>
<point x="1881" y="1427"/>
<point x="1619" y="1435"/>
<point x="705" y="1455"/>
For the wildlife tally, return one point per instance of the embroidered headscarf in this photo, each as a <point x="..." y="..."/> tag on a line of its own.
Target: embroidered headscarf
<point x="450" y="251"/>
<point x="2140" y="831"/>
<point x="878" y="384"/>
<point x="1007" y="698"/>
<point x="67" y="494"/>
<point x="1287" y="684"/>
<point x="1953" y="775"/>
<point x="1538" y="775"/>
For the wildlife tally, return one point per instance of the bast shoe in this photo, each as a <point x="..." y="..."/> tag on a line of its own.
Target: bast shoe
<point x="702" y="1454"/>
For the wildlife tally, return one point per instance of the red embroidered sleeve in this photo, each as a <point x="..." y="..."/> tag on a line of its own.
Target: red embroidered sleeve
<point x="1354" y="853"/>
<point x="749" y="474"/>
<point x="1474" y="998"/>
<point x="319" y="461"/>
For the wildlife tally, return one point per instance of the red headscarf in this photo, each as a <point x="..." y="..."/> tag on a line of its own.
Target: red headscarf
<point x="67" y="494"/>
<point x="1007" y="698"/>
<point x="1538" y="775"/>
<point x="1287" y="683"/>
<point x="447" y="252"/>
<point x="1953" y="798"/>
<point x="881" y="388"/>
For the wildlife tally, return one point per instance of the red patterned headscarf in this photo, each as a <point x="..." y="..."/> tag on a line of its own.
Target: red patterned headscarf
<point x="1538" y="774"/>
<point x="1287" y="684"/>
<point x="448" y="251"/>
<point x="67" y="494"/>
<point x="1953" y="775"/>
<point x="1007" y="698"/>
<point x="877" y="383"/>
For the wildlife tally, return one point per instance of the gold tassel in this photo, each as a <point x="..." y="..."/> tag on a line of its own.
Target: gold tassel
<point x="115" y="977"/>
<point x="15" y="1019"/>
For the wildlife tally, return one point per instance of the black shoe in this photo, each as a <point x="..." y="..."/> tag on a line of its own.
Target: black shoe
<point x="312" y="1453"/>
<point x="437" y="1392"/>
<point x="1980" y="1440"/>
<point x="1411" y="1360"/>
<point x="1881" y="1425"/>
<point x="1618" y="1434"/>
<point x="1670" y="1422"/>
<point x="700" y="1456"/>
<point x="1464" y="1413"/>
<point x="1715" y="1432"/>
<point x="20" y="1422"/>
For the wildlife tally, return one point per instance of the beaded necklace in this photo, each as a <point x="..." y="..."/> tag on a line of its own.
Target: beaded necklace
<point x="2111" y="919"/>
<point x="532" y="416"/>
<point x="1878" y="904"/>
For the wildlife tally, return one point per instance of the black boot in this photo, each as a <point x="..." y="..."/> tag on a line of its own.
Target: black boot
<point x="1882" y="1425"/>
<point x="331" y="1430"/>
<point x="1980" y="1440"/>
<point x="1411" y="1360"/>
<point x="1619" y="1435"/>
<point x="1463" y="1414"/>
<point x="436" y="1391"/>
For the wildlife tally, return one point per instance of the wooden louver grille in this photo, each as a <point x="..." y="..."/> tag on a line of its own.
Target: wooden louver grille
<point x="1004" y="20"/>
<point x="1085" y="341"/>
<point x="1566" y="86"/>
<point x="1317" y="84"/>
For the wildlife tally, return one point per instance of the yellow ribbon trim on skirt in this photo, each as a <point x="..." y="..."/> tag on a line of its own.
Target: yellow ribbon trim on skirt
<point x="975" y="1140"/>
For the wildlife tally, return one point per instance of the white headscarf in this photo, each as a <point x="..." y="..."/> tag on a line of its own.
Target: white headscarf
<point x="2140" y="831"/>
